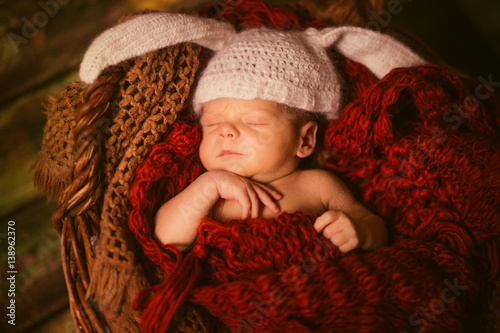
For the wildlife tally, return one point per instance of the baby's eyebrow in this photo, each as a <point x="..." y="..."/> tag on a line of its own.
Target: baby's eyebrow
<point x="256" y="115"/>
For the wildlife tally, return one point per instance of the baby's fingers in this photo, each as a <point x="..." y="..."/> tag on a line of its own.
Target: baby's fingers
<point x="275" y="195"/>
<point x="326" y="219"/>
<point x="268" y="196"/>
<point x="254" y="201"/>
<point x="247" y="200"/>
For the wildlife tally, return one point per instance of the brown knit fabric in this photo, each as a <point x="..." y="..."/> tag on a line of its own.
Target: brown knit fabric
<point x="142" y="105"/>
<point x="151" y="94"/>
<point x="52" y="163"/>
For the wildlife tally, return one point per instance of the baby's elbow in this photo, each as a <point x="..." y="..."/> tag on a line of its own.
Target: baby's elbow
<point x="172" y="234"/>
<point x="159" y="235"/>
<point x="164" y="239"/>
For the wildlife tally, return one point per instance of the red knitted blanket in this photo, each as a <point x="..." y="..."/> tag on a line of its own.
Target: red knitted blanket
<point x="420" y="148"/>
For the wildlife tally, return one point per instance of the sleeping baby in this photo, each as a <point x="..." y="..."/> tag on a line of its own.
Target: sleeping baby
<point x="251" y="150"/>
<point x="257" y="101"/>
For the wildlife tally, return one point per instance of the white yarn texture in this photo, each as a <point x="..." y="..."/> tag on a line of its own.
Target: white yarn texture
<point x="274" y="65"/>
<point x="147" y="33"/>
<point x="288" y="67"/>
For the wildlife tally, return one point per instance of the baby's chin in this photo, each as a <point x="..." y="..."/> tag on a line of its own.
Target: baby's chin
<point x="235" y="168"/>
<point x="242" y="173"/>
<point x="240" y="170"/>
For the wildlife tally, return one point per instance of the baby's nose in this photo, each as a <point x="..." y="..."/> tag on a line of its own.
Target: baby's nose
<point x="228" y="130"/>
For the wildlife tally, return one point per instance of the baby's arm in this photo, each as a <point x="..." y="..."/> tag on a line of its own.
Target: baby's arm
<point x="177" y="220"/>
<point x="347" y="223"/>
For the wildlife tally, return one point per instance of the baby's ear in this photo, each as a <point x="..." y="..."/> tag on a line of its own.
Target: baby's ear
<point x="307" y="139"/>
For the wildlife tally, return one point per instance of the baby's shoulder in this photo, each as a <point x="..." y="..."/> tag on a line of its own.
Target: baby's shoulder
<point x="316" y="175"/>
<point x="322" y="180"/>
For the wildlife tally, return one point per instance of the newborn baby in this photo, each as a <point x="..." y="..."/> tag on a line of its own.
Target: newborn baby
<point x="251" y="150"/>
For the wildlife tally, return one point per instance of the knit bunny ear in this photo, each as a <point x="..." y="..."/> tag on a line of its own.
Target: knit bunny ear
<point x="150" y="32"/>
<point x="378" y="52"/>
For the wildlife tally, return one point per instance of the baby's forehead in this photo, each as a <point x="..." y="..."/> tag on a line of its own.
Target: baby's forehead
<point x="242" y="106"/>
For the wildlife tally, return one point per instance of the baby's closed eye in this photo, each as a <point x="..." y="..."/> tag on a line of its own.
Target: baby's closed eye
<point x="254" y="124"/>
<point x="252" y="121"/>
<point x="210" y="122"/>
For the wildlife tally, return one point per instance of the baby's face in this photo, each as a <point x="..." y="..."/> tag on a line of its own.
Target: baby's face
<point x="252" y="138"/>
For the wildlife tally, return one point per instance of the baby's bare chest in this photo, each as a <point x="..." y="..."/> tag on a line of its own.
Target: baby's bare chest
<point x="295" y="198"/>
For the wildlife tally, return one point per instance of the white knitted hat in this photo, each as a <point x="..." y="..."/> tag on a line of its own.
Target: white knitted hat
<point x="288" y="67"/>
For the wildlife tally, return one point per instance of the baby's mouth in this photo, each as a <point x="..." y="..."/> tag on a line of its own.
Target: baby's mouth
<point x="227" y="152"/>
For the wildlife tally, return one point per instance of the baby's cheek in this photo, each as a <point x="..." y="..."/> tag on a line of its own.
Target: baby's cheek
<point x="265" y="138"/>
<point x="204" y="153"/>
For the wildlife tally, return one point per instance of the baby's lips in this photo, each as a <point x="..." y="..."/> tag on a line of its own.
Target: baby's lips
<point x="226" y="152"/>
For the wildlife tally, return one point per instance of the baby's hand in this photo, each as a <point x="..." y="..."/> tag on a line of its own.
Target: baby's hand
<point x="246" y="192"/>
<point x="340" y="229"/>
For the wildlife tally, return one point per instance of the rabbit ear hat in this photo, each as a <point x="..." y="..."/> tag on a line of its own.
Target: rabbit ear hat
<point x="288" y="67"/>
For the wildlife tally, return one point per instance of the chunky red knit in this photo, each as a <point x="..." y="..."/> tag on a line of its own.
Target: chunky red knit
<point x="420" y="148"/>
